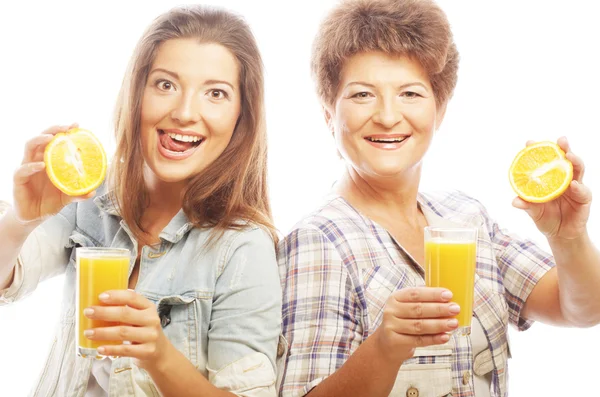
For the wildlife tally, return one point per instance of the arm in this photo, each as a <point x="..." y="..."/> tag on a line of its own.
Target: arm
<point x="322" y="313"/>
<point x="14" y="234"/>
<point x="36" y="255"/>
<point x="570" y="294"/>
<point x="244" y="328"/>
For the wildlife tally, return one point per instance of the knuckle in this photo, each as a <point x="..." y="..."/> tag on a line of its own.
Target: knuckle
<point x="123" y="332"/>
<point x="414" y="295"/>
<point x="418" y="326"/>
<point x="418" y="310"/>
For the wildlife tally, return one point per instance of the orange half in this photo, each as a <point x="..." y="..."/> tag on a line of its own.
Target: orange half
<point x="540" y="172"/>
<point x="75" y="162"/>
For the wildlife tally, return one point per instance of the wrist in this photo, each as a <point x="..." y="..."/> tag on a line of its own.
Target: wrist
<point x="390" y="357"/>
<point x="17" y="225"/>
<point x="159" y="364"/>
<point x="577" y="242"/>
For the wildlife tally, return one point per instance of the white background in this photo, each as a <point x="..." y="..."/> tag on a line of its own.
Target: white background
<point x="529" y="70"/>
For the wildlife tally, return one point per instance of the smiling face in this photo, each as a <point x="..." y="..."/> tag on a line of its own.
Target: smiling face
<point x="190" y="107"/>
<point x="384" y="115"/>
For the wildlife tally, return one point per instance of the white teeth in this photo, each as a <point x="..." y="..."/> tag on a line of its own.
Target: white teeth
<point x="184" y="138"/>
<point x="387" y="140"/>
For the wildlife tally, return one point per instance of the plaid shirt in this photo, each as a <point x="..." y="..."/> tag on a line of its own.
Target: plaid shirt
<point x="338" y="268"/>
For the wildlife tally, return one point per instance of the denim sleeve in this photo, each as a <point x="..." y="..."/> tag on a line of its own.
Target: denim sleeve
<point x="42" y="256"/>
<point x="245" y="321"/>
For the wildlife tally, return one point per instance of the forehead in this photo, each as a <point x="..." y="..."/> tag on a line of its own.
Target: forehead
<point x="193" y="60"/>
<point x="379" y="67"/>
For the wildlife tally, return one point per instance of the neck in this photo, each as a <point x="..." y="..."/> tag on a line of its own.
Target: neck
<point x="380" y="198"/>
<point x="166" y="199"/>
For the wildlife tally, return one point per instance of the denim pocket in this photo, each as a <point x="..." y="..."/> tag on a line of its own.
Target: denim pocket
<point x="180" y="323"/>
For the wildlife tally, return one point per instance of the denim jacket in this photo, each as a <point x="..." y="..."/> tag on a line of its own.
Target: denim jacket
<point x="219" y="305"/>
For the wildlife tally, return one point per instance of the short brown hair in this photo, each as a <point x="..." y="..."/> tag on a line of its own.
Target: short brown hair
<point x="234" y="187"/>
<point x="415" y="28"/>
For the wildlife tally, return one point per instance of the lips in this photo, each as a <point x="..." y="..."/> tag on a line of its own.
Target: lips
<point x="177" y="145"/>
<point x="387" y="141"/>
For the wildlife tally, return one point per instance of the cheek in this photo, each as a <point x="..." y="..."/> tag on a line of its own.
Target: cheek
<point x="350" y="119"/>
<point x="222" y="119"/>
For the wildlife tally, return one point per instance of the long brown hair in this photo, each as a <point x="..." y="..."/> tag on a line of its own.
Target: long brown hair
<point x="232" y="191"/>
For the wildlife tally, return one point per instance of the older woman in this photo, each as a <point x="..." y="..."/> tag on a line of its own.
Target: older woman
<point x="358" y="319"/>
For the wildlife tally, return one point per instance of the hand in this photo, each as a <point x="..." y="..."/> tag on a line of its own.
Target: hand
<point x="566" y="216"/>
<point x="34" y="196"/>
<point x="139" y="324"/>
<point x="415" y="317"/>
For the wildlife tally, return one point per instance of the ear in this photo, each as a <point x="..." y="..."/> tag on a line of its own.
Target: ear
<point x="328" y="114"/>
<point x="441" y="112"/>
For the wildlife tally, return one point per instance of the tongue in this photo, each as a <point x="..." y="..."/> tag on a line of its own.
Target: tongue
<point x="174" y="145"/>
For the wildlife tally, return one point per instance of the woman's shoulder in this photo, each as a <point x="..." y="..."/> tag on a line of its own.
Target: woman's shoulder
<point x="334" y="221"/>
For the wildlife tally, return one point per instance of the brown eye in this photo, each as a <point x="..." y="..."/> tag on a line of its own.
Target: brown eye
<point x="164" y="85"/>
<point x="217" y="94"/>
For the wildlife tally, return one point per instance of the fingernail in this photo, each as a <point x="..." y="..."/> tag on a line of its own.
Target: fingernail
<point x="447" y="295"/>
<point x="453" y="323"/>
<point x="445" y="338"/>
<point x="454" y="308"/>
<point x="88" y="332"/>
<point x="39" y="166"/>
<point x="104" y="296"/>
<point x="88" y="312"/>
<point x="100" y="350"/>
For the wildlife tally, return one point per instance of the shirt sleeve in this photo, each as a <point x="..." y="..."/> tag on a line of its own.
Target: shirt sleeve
<point x="522" y="264"/>
<point x="245" y="321"/>
<point x="42" y="256"/>
<point x="321" y="313"/>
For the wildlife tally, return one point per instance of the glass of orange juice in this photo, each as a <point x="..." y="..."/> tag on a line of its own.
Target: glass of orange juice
<point x="450" y="260"/>
<point x="98" y="270"/>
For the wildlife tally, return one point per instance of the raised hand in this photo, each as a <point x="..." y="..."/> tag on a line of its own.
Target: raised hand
<point x="566" y="216"/>
<point x="34" y="196"/>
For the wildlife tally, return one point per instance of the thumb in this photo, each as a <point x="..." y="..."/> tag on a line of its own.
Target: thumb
<point x="580" y="193"/>
<point x="534" y="210"/>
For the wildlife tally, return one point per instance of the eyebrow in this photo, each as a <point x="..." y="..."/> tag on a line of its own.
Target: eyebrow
<point x="207" y="82"/>
<point x="373" y="86"/>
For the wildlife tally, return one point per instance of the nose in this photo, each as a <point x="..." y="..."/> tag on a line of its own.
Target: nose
<point x="388" y="113"/>
<point x="187" y="110"/>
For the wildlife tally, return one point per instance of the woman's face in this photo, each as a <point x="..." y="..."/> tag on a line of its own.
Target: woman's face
<point x="384" y="115"/>
<point x="190" y="107"/>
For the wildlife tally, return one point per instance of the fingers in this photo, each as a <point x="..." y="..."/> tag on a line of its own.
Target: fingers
<point x="414" y="341"/>
<point x="34" y="148"/>
<point x="422" y="294"/>
<point x="24" y="172"/>
<point x="123" y="333"/>
<point x="123" y="314"/>
<point x="59" y="128"/>
<point x="424" y="326"/>
<point x="425" y="310"/>
<point x="578" y="166"/>
<point x="580" y="193"/>
<point x="146" y="351"/>
<point x="126" y="297"/>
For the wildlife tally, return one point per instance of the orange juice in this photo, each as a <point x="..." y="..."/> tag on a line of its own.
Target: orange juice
<point x="99" y="270"/>
<point x="450" y="263"/>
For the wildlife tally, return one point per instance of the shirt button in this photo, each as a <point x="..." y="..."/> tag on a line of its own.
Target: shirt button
<point x="466" y="377"/>
<point x="412" y="392"/>
<point x="280" y="349"/>
<point x="165" y="320"/>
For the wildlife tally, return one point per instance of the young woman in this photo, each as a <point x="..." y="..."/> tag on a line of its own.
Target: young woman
<point x="187" y="195"/>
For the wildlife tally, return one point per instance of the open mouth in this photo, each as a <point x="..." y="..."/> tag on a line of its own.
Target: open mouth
<point x="387" y="140"/>
<point x="177" y="143"/>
